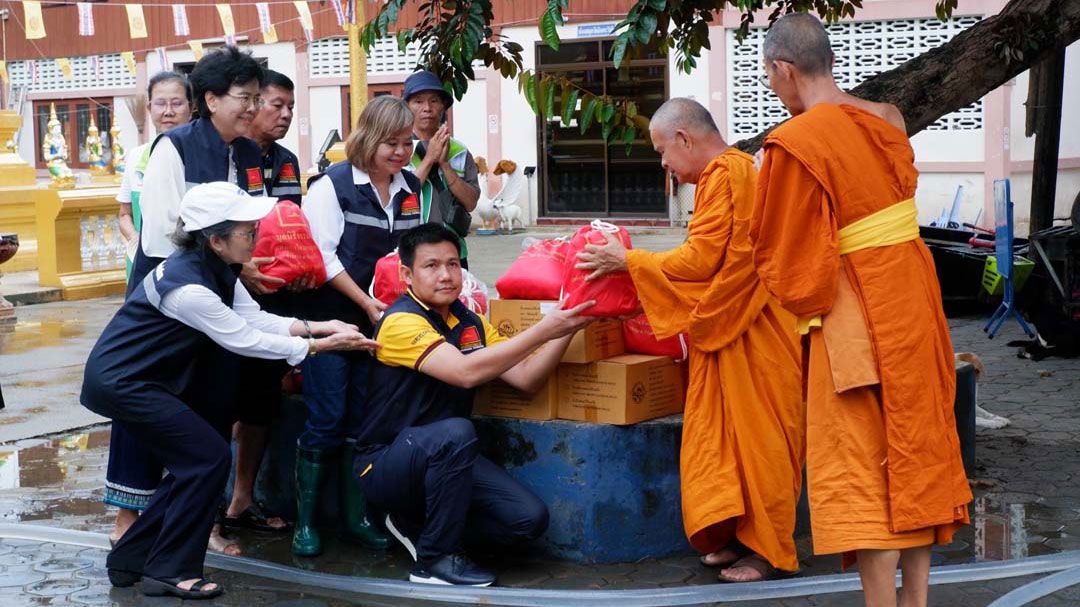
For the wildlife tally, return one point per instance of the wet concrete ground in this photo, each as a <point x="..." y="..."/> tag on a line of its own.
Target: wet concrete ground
<point x="1027" y="480"/>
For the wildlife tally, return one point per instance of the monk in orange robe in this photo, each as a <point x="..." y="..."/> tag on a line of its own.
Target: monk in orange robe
<point x="742" y="442"/>
<point x="837" y="242"/>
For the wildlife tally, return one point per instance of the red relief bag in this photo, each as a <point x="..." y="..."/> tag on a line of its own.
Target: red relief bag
<point x="639" y="338"/>
<point x="614" y="293"/>
<point x="285" y="235"/>
<point x="474" y="293"/>
<point x="387" y="286"/>
<point x="537" y="273"/>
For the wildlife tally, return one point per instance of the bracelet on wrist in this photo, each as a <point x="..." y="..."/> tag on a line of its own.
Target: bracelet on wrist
<point x="312" y="349"/>
<point x="307" y="327"/>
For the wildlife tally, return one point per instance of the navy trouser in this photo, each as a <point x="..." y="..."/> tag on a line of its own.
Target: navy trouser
<point x="335" y="390"/>
<point x="133" y="473"/>
<point x="433" y="479"/>
<point x="169" y="539"/>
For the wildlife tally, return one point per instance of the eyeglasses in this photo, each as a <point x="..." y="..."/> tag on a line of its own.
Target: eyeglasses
<point x="764" y="80"/>
<point x="172" y="104"/>
<point x="251" y="235"/>
<point x="247" y="100"/>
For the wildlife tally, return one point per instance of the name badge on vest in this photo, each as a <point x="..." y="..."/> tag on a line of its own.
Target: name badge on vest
<point x="410" y="207"/>
<point x="470" y="340"/>
<point x="288" y="175"/>
<point x="254" y="180"/>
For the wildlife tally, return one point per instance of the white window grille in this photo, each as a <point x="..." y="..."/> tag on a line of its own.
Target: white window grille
<point x="329" y="57"/>
<point x="113" y="74"/>
<point x="863" y="49"/>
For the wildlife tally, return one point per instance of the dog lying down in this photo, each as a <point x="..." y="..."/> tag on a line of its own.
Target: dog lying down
<point x="983" y="418"/>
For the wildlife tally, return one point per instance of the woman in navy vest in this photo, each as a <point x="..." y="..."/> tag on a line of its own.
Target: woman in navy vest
<point x="157" y="362"/>
<point x="357" y="210"/>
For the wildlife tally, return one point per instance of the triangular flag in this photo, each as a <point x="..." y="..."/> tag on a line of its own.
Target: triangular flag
<point x="136" y="21"/>
<point x="31" y="66"/>
<point x="65" y="67"/>
<point x="35" y="25"/>
<point x="352" y="11"/>
<point x="305" y="15"/>
<point x="339" y="12"/>
<point x="180" y="22"/>
<point x="86" y="19"/>
<point x="227" y="24"/>
<point x="196" y="49"/>
<point x="265" y="25"/>
<point x="163" y="58"/>
<point x="95" y="63"/>
<point x="129" y="60"/>
<point x="270" y="35"/>
<point x="3" y="72"/>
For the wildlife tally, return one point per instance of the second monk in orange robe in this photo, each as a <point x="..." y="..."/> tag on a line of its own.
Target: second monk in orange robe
<point x="742" y="441"/>
<point x="836" y="240"/>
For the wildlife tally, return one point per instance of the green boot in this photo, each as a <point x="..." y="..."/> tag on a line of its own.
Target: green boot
<point x="309" y="475"/>
<point x="353" y="506"/>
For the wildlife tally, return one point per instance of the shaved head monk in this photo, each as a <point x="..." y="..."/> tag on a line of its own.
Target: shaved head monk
<point x="836" y="241"/>
<point x="742" y="442"/>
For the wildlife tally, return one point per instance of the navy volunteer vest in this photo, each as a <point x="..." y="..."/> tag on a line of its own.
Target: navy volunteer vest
<point x="281" y="173"/>
<point x="142" y="352"/>
<point x="206" y="156"/>
<point x="367" y="237"/>
<point x="400" y="397"/>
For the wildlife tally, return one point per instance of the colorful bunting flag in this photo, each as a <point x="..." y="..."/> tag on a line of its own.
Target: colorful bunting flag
<point x="31" y="67"/>
<point x="65" y="67"/>
<point x="163" y="58"/>
<point x="352" y="12"/>
<point x="129" y="60"/>
<point x="339" y="11"/>
<point x="136" y="21"/>
<point x="267" y="28"/>
<point x="196" y="49"/>
<point x="305" y="15"/>
<point x="180" y="21"/>
<point x="35" y="25"/>
<point x="227" y="24"/>
<point x="3" y="72"/>
<point x="86" y="19"/>
<point x="95" y="64"/>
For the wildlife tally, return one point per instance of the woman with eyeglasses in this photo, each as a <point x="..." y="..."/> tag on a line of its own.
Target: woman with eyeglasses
<point x="148" y="372"/>
<point x="357" y="210"/>
<point x="132" y="475"/>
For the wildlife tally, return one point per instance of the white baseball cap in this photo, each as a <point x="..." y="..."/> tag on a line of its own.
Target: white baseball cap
<point x="209" y="204"/>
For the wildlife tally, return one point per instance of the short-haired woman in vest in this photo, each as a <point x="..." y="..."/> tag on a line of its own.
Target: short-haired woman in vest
<point x="357" y="210"/>
<point x="155" y="363"/>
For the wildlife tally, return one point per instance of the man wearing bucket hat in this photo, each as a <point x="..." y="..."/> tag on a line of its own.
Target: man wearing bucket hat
<point x="161" y="360"/>
<point x="443" y="164"/>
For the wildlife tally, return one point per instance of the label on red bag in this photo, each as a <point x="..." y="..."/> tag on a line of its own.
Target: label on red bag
<point x="470" y="340"/>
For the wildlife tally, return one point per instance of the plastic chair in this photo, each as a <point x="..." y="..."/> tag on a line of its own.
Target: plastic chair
<point x="1003" y="250"/>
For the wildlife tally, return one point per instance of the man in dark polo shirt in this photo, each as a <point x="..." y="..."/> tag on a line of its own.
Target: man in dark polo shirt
<point x="416" y="450"/>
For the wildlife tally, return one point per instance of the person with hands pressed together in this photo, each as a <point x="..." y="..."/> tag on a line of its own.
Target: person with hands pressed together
<point x="152" y="372"/>
<point x="357" y="210"/>
<point x="742" y="441"/>
<point x="443" y="164"/>
<point x="416" y="449"/>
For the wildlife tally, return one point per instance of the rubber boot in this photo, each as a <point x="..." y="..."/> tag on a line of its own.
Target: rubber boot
<point x="353" y="506"/>
<point x="309" y="474"/>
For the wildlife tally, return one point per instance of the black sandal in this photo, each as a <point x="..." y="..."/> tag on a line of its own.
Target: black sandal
<point x="254" y="518"/>
<point x="168" y="587"/>
<point x="121" y="578"/>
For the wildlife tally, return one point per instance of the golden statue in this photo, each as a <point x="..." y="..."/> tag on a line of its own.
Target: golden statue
<point x="95" y="160"/>
<point x="55" y="153"/>
<point x="118" y="154"/>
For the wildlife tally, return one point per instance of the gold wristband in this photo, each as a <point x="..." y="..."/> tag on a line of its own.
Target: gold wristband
<point x="311" y="349"/>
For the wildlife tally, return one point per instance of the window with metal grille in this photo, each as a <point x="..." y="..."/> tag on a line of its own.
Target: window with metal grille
<point x="109" y="73"/>
<point x="863" y="49"/>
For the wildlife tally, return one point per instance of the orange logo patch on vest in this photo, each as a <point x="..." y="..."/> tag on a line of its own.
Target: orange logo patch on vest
<point x="470" y="339"/>
<point x="410" y="206"/>
<point x="254" y="180"/>
<point x="287" y="174"/>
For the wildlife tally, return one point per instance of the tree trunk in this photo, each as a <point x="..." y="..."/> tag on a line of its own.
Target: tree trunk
<point x="975" y="62"/>
<point x="1047" y="127"/>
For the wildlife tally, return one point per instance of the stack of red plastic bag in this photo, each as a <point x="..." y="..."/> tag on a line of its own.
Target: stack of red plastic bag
<point x="387" y="285"/>
<point x="614" y="294"/>
<point x="639" y="338"/>
<point x="285" y="235"/>
<point x="537" y="273"/>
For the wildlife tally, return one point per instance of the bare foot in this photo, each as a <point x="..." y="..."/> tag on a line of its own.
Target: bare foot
<point x="724" y="556"/>
<point x="751" y="568"/>
<point x="187" y="584"/>
<point x="219" y="543"/>
<point x="124" y="520"/>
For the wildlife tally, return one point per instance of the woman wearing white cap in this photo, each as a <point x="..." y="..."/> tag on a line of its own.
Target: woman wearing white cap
<point x="155" y="362"/>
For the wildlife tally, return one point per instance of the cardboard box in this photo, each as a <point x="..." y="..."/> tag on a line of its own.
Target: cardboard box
<point x="601" y="339"/>
<point x="622" y="390"/>
<point x="501" y="400"/>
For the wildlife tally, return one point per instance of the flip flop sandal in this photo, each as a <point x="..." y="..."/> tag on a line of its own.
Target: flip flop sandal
<point x="735" y="546"/>
<point x="762" y="566"/>
<point x="254" y="518"/>
<point x="168" y="587"/>
<point x="123" y="579"/>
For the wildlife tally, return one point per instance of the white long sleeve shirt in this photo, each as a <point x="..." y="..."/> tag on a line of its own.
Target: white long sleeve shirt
<point x="243" y="329"/>
<point x="327" y="221"/>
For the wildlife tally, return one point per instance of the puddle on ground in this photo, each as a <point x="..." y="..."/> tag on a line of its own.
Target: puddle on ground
<point x="27" y="336"/>
<point x="62" y="479"/>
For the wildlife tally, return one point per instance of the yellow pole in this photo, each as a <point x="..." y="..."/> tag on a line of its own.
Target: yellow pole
<point x="357" y="66"/>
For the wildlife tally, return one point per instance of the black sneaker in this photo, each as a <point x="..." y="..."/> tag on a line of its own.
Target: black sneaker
<point x="452" y="570"/>
<point x="401" y="534"/>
